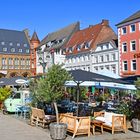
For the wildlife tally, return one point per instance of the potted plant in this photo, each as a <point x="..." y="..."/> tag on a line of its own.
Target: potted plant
<point x="4" y="93"/>
<point x="136" y="108"/>
<point x="136" y="115"/>
<point x="50" y="89"/>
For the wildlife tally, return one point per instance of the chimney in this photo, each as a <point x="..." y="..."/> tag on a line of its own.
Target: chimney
<point x="26" y="31"/>
<point x="105" y="22"/>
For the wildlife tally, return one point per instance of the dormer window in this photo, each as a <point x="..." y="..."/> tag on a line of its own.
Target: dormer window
<point x="101" y="47"/>
<point x="12" y="49"/>
<point x="70" y="49"/>
<point x="2" y="43"/>
<point x="25" y="45"/>
<point x="4" y="49"/>
<point x="18" y="44"/>
<point x="78" y="48"/>
<point x="64" y="51"/>
<point x="11" y="44"/>
<point x="87" y="45"/>
<point x="20" y="50"/>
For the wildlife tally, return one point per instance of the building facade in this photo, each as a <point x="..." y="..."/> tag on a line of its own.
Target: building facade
<point x="129" y="45"/>
<point x="93" y="49"/>
<point x="34" y="43"/>
<point x="50" y="49"/>
<point x="14" y="53"/>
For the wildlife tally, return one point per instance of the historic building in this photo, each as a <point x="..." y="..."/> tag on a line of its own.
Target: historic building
<point x="93" y="49"/>
<point x="34" y="43"/>
<point x="129" y="45"/>
<point x="14" y="53"/>
<point x="50" y="49"/>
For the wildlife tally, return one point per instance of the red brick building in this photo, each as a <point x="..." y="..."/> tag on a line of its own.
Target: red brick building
<point x="129" y="45"/>
<point x="34" y="42"/>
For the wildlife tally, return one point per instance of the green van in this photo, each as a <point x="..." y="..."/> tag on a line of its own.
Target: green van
<point x="18" y="98"/>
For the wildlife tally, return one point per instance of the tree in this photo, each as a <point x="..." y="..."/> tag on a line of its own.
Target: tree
<point x="4" y="93"/>
<point x="51" y="87"/>
<point x="137" y="84"/>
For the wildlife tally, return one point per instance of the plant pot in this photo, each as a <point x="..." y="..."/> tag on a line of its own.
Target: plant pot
<point x="58" y="131"/>
<point x="136" y="125"/>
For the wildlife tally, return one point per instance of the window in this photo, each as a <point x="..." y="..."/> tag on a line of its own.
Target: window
<point x="10" y="61"/>
<point x="70" y="50"/>
<point x="4" y="49"/>
<point x="133" y="65"/>
<point x="124" y="47"/>
<point x="20" y="50"/>
<point x="113" y="57"/>
<point x="96" y="68"/>
<point x="133" y="45"/>
<point x="124" y="30"/>
<point x="11" y="44"/>
<point x="3" y="61"/>
<point x="96" y="59"/>
<point x="25" y="45"/>
<point x="107" y="58"/>
<point x="2" y="43"/>
<point x="107" y="67"/>
<point x="125" y="67"/>
<point x="132" y="28"/>
<point x="101" y="47"/>
<point x="18" y="44"/>
<point x="12" y="49"/>
<point x="87" y="45"/>
<point x="16" y="96"/>
<point x="78" y="48"/>
<point x="101" y="58"/>
<point x="27" y="51"/>
<point x="107" y="46"/>
<point x="113" y="69"/>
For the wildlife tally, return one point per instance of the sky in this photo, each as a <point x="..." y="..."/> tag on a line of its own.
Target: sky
<point x="46" y="16"/>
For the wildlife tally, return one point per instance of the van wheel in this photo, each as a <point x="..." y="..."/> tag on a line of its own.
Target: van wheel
<point x="4" y="112"/>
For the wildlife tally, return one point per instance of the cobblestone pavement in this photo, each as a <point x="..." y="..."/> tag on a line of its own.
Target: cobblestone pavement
<point x="12" y="128"/>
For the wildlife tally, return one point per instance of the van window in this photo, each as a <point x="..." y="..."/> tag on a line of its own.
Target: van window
<point x="16" y="96"/>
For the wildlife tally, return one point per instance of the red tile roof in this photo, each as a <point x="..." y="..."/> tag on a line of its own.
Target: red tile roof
<point x="93" y="35"/>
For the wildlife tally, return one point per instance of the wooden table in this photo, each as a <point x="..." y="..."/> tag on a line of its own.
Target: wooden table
<point x="97" y="123"/>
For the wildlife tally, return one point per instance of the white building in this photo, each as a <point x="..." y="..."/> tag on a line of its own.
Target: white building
<point x="51" y="48"/>
<point x="93" y="49"/>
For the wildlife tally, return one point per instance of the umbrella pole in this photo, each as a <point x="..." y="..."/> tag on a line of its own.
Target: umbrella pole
<point x="78" y="92"/>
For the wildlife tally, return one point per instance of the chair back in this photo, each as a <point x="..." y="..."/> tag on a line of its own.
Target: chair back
<point x="34" y="112"/>
<point x="40" y="113"/>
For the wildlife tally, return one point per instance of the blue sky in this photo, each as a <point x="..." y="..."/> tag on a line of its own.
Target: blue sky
<point x="45" y="16"/>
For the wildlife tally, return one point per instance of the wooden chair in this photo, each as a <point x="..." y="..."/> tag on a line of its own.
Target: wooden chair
<point x="43" y="119"/>
<point x="33" y="116"/>
<point x="76" y="125"/>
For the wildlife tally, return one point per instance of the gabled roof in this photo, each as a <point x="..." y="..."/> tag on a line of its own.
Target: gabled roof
<point x="14" y="37"/>
<point x="130" y="18"/>
<point x="65" y="32"/>
<point x="93" y="35"/>
<point x="84" y="35"/>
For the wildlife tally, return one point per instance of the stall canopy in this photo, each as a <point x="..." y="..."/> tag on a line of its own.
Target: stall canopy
<point x="86" y="78"/>
<point x="13" y="81"/>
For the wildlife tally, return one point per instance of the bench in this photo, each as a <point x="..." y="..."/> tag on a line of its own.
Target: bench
<point x="76" y="125"/>
<point x="38" y="117"/>
<point x="112" y="121"/>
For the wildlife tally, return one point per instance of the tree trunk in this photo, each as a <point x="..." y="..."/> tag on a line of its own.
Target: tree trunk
<point x="56" y="111"/>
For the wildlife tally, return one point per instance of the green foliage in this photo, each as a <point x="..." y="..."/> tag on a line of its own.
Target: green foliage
<point x="83" y="92"/>
<point x="51" y="87"/>
<point x="137" y="84"/>
<point x="125" y="108"/>
<point x="4" y="93"/>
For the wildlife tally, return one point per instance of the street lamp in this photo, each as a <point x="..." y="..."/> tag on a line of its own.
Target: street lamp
<point x="43" y="60"/>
